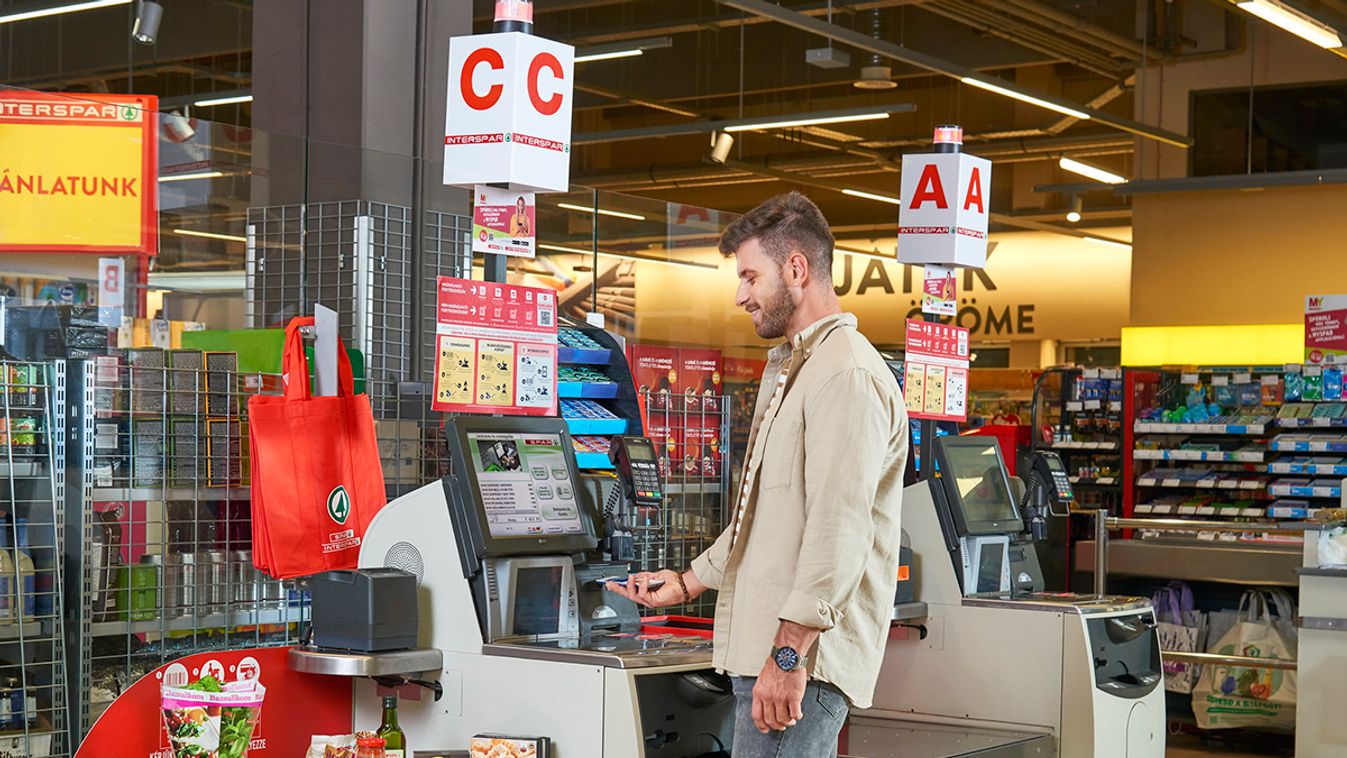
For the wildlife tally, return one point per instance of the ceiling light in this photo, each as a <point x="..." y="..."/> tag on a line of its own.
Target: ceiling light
<point x="991" y="87"/>
<point x="1090" y="172"/>
<point x="47" y="9"/>
<point x="601" y="211"/>
<point x="721" y="142"/>
<point x="189" y="177"/>
<point x="248" y="98"/>
<point x="875" y="77"/>
<point x="624" y="49"/>
<point x="807" y="122"/>
<point x="210" y="235"/>
<point x="872" y="196"/>
<point x="1077" y="205"/>
<point x="625" y="257"/>
<point x="1109" y="243"/>
<point x="146" y="26"/>
<point x="1293" y="21"/>
<point x="632" y="53"/>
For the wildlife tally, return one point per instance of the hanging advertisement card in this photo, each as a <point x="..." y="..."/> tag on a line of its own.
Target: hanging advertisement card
<point x="111" y="291"/>
<point x="939" y="294"/>
<point x="496" y="349"/>
<point x="936" y="371"/>
<point x="943" y="218"/>
<point x="1326" y="329"/>
<point x="503" y="222"/>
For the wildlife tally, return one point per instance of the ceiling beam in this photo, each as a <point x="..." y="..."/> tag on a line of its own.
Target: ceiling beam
<point x="940" y="66"/>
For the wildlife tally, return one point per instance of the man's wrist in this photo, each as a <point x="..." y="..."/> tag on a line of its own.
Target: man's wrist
<point x="695" y="587"/>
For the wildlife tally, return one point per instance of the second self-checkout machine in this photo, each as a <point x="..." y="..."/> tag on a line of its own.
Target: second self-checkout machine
<point x="532" y="643"/>
<point x="998" y="654"/>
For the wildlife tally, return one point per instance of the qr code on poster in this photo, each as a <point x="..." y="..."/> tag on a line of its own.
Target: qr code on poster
<point x="545" y="317"/>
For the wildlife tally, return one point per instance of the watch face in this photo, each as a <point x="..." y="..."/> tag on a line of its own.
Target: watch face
<point x="787" y="659"/>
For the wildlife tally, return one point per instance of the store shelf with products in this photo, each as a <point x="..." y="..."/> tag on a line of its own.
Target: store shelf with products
<point x="32" y="539"/>
<point x="1078" y="415"/>
<point x="597" y="396"/>
<point x="162" y="541"/>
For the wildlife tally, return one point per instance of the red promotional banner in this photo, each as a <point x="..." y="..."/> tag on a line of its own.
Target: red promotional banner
<point x="296" y="706"/>
<point x="496" y="349"/>
<point x="935" y="371"/>
<point x="1326" y="329"/>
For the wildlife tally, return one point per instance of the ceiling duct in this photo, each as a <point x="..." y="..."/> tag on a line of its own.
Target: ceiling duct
<point x="877" y="74"/>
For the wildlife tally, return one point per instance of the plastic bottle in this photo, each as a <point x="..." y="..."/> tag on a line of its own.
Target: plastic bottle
<point x="25" y="599"/>
<point x="8" y="611"/>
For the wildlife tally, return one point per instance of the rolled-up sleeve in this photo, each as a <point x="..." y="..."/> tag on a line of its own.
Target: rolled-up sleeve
<point x="847" y="430"/>
<point x="709" y="567"/>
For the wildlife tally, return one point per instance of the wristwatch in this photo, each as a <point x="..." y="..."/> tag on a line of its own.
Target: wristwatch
<point x="788" y="659"/>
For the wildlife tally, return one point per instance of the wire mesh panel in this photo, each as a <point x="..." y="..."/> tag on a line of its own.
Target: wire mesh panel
<point x="354" y="257"/>
<point x="691" y="441"/>
<point x="446" y="251"/>
<point x="33" y="712"/>
<point x="167" y="565"/>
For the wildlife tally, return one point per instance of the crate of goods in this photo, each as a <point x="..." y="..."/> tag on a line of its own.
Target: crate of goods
<point x="591" y="451"/>
<point x="582" y="382"/>
<point x="578" y="347"/>
<point x="588" y="417"/>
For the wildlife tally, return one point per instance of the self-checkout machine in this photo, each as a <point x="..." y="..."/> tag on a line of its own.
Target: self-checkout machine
<point x="509" y="593"/>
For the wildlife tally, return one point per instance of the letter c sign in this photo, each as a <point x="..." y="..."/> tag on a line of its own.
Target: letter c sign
<point x="491" y="57"/>
<point x="552" y="104"/>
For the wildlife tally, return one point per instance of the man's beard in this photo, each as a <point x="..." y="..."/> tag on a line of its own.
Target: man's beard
<point x="777" y="312"/>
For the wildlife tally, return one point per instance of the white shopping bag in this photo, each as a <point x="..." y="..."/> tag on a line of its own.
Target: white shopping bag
<point x="1229" y="697"/>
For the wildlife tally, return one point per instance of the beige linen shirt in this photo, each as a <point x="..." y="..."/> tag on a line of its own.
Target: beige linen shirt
<point x="819" y="532"/>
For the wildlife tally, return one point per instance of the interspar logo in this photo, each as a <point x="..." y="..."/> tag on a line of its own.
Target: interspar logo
<point x="474" y="139"/>
<point x="546" y="144"/>
<point x="39" y="109"/>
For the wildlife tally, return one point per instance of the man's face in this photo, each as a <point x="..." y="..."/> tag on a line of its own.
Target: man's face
<point x="763" y="291"/>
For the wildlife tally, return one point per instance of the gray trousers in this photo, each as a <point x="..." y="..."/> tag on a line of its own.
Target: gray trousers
<point x="814" y="736"/>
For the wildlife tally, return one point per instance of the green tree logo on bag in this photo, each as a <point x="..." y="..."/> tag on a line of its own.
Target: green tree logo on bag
<point x="339" y="504"/>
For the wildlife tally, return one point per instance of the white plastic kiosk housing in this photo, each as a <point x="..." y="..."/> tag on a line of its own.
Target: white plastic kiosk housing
<point x="1081" y="669"/>
<point x="532" y="645"/>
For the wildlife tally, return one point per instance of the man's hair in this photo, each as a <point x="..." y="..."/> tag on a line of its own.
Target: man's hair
<point x="783" y="225"/>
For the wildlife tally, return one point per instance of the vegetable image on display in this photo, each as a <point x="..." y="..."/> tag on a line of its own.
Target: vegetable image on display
<point x="206" y="719"/>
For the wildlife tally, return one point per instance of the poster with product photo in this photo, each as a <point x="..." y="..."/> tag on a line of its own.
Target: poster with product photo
<point x="496" y="348"/>
<point x="503" y="222"/>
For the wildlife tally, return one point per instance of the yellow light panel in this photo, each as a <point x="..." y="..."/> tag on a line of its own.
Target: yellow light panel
<point x="1251" y="344"/>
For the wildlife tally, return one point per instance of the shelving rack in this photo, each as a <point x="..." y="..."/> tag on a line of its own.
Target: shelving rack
<point x="159" y="516"/>
<point x="32" y="629"/>
<point x="1085" y="412"/>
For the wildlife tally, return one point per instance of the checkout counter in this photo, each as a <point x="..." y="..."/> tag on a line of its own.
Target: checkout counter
<point x="508" y="589"/>
<point x="1000" y="667"/>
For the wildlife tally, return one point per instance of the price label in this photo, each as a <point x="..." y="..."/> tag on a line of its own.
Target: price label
<point x="1314" y="371"/>
<point x="1090" y="373"/>
<point x="1188" y="379"/>
<point x="1292" y="368"/>
<point x="1075" y="405"/>
<point x="1271" y="380"/>
<point x="1207" y="510"/>
<point x="1093" y="405"/>
<point x="1220" y="380"/>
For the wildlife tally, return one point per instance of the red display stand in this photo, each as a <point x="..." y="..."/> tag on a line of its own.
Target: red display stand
<point x="297" y="706"/>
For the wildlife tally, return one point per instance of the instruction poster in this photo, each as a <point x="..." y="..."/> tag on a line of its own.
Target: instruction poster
<point x="935" y="380"/>
<point x="503" y="222"/>
<point x="1326" y="329"/>
<point x="495" y="348"/>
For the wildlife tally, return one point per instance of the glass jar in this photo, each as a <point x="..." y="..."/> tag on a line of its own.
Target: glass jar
<point x="369" y="747"/>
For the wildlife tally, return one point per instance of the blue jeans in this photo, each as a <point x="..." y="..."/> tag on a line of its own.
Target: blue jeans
<point x="814" y="736"/>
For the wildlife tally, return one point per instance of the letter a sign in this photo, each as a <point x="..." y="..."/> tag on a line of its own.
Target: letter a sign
<point x="508" y="112"/>
<point x="943" y="218"/>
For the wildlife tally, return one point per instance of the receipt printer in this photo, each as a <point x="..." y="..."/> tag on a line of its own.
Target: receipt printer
<point x="369" y="610"/>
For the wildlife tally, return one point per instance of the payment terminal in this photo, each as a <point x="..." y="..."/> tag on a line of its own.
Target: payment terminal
<point x="635" y="461"/>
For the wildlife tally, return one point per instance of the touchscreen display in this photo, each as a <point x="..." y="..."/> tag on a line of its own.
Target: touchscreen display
<point x="984" y="492"/>
<point x="537" y="601"/>
<point x="524" y="482"/>
<point x="989" y="567"/>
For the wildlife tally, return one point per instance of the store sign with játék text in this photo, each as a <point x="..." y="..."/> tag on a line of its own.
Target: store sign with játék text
<point x="77" y="173"/>
<point x="1326" y="329"/>
<point x="508" y="112"/>
<point x="943" y="216"/>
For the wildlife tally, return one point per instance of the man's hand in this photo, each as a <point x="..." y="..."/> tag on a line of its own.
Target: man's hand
<point x="777" y="697"/>
<point x="671" y="593"/>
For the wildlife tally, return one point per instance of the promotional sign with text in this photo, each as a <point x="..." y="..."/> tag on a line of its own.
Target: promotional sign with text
<point x="508" y="112"/>
<point x="503" y="222"/>
<point x="939" y="292"/>
<point x="935" y="371"/>
<point x="943" y="218"/>
<point x="296" y="706"/>
<point x="1326" y="329"/>
<point x="77" y="173"/>
<point x="496" y="348"/>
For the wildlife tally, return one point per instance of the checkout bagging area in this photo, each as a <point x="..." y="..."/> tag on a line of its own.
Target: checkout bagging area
<point x="505" y="555"/>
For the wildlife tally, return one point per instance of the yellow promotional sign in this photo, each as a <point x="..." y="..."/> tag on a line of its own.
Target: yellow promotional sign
<point x="77" y="173"/>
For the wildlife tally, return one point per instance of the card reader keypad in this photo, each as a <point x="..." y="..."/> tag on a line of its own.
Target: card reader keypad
<point x="1063" y="485"/>
<point x="645" y="480"/>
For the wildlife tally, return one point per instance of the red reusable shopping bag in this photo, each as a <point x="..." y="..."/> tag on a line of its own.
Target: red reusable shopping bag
<point x="316" y="477"/>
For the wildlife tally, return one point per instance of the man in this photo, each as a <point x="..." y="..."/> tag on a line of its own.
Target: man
<point x="807" y="567"/>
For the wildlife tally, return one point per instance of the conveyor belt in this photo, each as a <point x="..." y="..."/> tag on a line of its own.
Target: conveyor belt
<point x="895" y="738"/>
